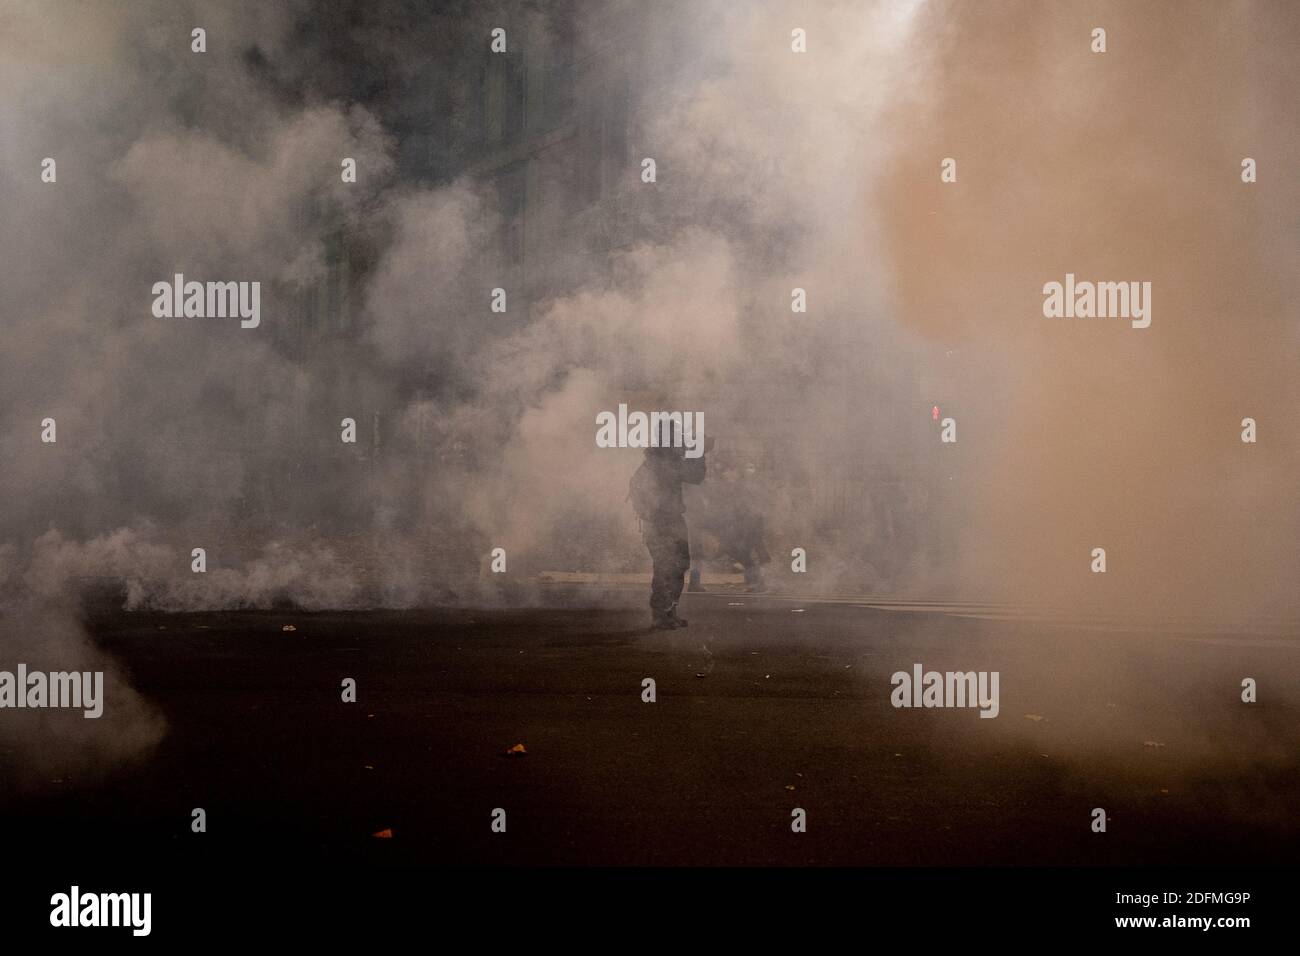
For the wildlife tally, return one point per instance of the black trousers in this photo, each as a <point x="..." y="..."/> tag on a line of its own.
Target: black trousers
<point x="666" y="538"/>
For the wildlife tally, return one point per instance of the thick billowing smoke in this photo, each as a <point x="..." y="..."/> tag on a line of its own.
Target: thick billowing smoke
<point x="775" y="170"/>
<point x="475" y="429"/>
<point x="1125" y="165"/>
<point x="43" y="746"/>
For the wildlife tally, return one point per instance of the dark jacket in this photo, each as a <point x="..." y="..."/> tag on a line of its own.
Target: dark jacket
<point x="656" y="487"/>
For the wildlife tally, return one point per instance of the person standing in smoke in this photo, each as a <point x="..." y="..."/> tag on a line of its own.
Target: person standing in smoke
<point x="730" y="524"/>
<point x="656" y="493"/>
<point x="748" y="529"/>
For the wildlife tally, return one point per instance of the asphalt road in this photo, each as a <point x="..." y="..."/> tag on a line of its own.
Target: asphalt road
<point x="763" y="705"/>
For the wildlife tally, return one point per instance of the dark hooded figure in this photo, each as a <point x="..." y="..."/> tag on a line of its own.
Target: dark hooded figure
<point x="656" y="493"/>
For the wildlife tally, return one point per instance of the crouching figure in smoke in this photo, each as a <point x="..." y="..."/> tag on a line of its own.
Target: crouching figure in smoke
<point x="656" y="494"/>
